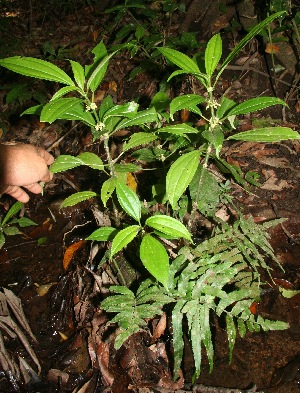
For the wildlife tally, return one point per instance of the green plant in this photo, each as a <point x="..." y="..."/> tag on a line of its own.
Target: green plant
<point x="218" y="277"/>
<point x="8" y="224"/>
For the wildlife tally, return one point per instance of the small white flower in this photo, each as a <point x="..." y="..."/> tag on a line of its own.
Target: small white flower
<point x="99" y="126"/>
<point x="93" y="106"/>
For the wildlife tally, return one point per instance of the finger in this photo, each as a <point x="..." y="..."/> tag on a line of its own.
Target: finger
<point x="48" y="176"/>
<point x="18" y="193"/>
<point x="45" y="155"/>
<point x="34" y="188"/>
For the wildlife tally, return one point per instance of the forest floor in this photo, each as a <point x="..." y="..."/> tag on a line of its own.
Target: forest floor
<point x="57" y="297"/>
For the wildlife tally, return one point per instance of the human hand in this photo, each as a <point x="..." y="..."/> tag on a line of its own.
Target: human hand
<point x="23" y="165"/>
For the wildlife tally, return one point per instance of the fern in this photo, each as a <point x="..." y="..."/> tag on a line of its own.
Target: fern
<point x="219" y="277"/>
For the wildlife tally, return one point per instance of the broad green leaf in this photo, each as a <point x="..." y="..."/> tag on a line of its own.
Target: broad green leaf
<point x="122" y="110"/>
<point x="16" y="207"/>
<point x="124" y="237"/>
<point x="108" y="187"/>
<point x="36" y="68"/>
<point x="231" y="334"/>
<point x="288" y="293"/>
<point x="160" y="101"/>
<point x="255" y="104"/>
<point x="155" y="259"/>
<point x="215" y="137"/>
<point x="139" y="138"/>
<point x="78" y="112"/>
<point x="268" y="134"/>
<point x="225" y="105"/>
<point x="180" y="175"/>
<point x="187" y="101"/>
<point x="103" y="234"/>
<point x="11" y="231"/>
<point x="213" y="54"/>
<point x="252" y="33"/>
<point x="61" y="92"/>
<point x="181" y="60"/>
<point x="65" y="162"/>
<point x="91" y="160"/>
<point x="78" y="72"/>
<point x="55" y="109"/>
<point x="179" y="129"/>
<point x="168" y="226"/>
<point x="77" y="198"/>
<point x="106" y="104"/>
<point x="98" y="73"/>
<point x="126" y="168"/>
<point x="33" y="110"/>
<point x="142" y="117"/>
<point x="23" y="222"/>
<point x="129" y="201"/>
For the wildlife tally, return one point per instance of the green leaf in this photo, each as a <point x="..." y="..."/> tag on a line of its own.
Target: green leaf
<point x="160" y="101"/>
<point x="10" y="231"/>
<point x="126" y="168"/>
<point x="108" y="187"/>
<point x="77" y="198"/>
<point x="16" y="207"/>
<point x="180" y="175"/>
<point x="181" y="60"/>
<point x="288" y="293"/>
<point x="91" y="160"/>
<point x="33" y="110"/>
<point x="98" y="73"/>
<point x="187" y="101"/>
<point x="23" y="222"/>
<point x="268" y="134"/>
<point x="213" y="54"/>
<point x="55" y="109"/>
<point x="124" y="237"/>
<point x="36" y="68"/>
<point x="255" y="104"/>
<point x="61" y="92"/>
<point x="179" y="129"/>
<point x="77" y="112"/>
<point x="121" y="110"/>
<point x="103" y="234"/>
<point x="260" y="26"/>
<point x="155" y="259"/>
<point x="65" y="162"/>
<point x="169" y="226"/>
<point x="215" y="137"/>
<point x="78" y="72"/>
<point x="225" y="105"/>
<point x="139" y="138"/>
<point x="129" y="201"/>
<point x="142" y="117"/>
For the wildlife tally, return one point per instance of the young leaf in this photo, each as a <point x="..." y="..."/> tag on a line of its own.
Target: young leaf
<point x="268" y="134"/>
<point x="64" y="90"/>
<point x="168" y="226"/>
<point x="103" y="234"/>
<point x="65" y="162"/>
<point x="139" y="138"/>
<point x="155" y="259"/>
<point x="108" y="187"/>
<point x="213" y="54"/>
<point x="180" y="175"/>
<point x="181" y="60"/>
<point x="98" y="73"/>
<point x="55" y="109"/>
<point x="78" y="197"/>
<point x="179" y="129"/>
<point x="78" y="72"/>
<point x="11" y="231"/>
<point x="187" y="101"/>
<point x="124" y="237"/>
<point x="121" y="110"/>
<point x="142" y="117"/>
<point x="129" y="201"/>
<point x="91" y="160"/>
<point x="23" y="222"/>
<point x="255" y="104"/>
<point x="36" y="68"/>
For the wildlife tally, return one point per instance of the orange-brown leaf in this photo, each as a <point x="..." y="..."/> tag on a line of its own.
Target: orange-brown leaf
<point x="70" y="251"/>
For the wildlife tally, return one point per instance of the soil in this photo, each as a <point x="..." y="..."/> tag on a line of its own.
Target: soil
<point x="57" y="293"/>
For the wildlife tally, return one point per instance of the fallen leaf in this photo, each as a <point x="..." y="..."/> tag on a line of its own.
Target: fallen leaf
<point x="272" y="48"/>
<point x="70" y="251"/>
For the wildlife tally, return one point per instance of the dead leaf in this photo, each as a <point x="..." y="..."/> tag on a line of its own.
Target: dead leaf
<point x="70" y="251"/>
<point x="272" y="48"/>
